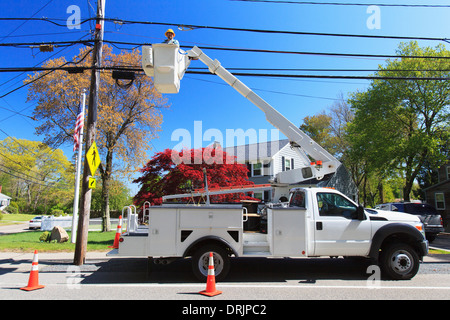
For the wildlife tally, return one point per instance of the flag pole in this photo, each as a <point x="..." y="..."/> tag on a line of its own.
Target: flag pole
<point x="77" y="177"/>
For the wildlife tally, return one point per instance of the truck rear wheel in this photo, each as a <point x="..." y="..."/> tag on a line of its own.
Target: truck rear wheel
<point x="200" y="262"/>
<point x="399" y="261"/>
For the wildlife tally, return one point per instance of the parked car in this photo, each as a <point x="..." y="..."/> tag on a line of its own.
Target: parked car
<point x="429" y="216"/>
<point x="35" y="223"/>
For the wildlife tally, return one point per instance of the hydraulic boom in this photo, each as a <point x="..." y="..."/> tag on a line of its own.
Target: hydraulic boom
<point x="317" y="162"/>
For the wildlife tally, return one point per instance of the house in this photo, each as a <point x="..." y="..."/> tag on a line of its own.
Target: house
<point x="438" y="195"/>
<point x="266" y="159"/>
<point x="4" y="200"/>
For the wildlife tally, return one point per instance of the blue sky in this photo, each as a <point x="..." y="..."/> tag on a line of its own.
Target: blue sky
<point x="205" y="97"/>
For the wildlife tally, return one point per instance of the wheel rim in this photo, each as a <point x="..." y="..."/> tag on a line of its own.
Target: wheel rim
<point x="203" y="263"/>
<point x="402" y="262"/>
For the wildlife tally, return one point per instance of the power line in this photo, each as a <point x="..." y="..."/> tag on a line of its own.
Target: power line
<point x="41" y="76"/>
<point x="26" y="20"/>
<point x="49" y="20"/>
<point x="312" y="76"/>
<point x="138" y="69"/>
<point x="192" y="27"/>
<point x="279" y="75"/>
<point x="32" y="182"/>
<point x="357" y="55"/>
<point x="361" y="55"/>
<point x="53" y="43"/>
<point x="350" y="4"/>
<point x="24" y="174"/>
<point x="183" y="26"/>
<point x="137" y="44"/>
<point x="321" y="69"/>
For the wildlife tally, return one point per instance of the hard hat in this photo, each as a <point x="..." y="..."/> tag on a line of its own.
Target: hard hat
<point x="169" y="30"/>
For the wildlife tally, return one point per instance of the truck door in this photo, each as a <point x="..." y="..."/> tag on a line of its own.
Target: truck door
<point x="337" y="229"/>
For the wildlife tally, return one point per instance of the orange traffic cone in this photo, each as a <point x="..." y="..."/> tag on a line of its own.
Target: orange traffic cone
<point x="33" y="281"/>
<point x="210" y="280"/>
<point x="118" y="234"/>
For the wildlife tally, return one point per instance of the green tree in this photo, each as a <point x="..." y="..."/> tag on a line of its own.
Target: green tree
<point x="118" y="198"/>
<point x="39" y="177"/>
<point x="400" y="125"/>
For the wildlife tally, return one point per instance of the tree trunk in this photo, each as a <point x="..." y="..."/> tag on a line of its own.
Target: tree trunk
<point x="106" y="222"/>
<point x="106" y="178"/>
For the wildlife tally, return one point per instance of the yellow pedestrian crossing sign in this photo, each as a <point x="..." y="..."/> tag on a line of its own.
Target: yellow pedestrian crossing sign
<point x="93" y="158"/>
<point x="91" y="183"/>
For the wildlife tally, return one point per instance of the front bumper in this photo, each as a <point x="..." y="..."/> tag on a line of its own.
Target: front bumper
<point x="424" y="248"/>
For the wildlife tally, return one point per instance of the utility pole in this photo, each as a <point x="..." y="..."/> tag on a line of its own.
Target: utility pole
<point x="86" y="193"/>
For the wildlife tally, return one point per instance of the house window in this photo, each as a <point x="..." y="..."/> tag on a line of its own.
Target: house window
<point x="258" y="195"/>
<point x="256" y="169"/>
<point x="448" y="172"/>
<point x="263" y="196"/>
<point x="287" y="164"/>
<point x="440" y="200"/>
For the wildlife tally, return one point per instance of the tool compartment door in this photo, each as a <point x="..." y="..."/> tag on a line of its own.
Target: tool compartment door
<point x="288" y="226"/>
<point x="162" y="235"/>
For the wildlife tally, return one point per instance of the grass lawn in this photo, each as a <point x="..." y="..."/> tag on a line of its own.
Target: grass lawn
<point x="437" y="251"/>
<point x="29" y="241"/>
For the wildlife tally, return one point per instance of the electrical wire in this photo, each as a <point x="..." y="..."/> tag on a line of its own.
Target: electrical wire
<point x="362" y="55"/>
<point x="29" y="181"/>
<point x="350" y="4"/>
<point x="26" y="20"/>
<point x="45" y="19"/>
<point x="135" y="44"/>
<point x="250" y="74"/>
<point x="138" y="69"/>
<point x="43" y="75"/>
<point x="191" y="26"/>
<point x="53" y="43"/>
<point x="312" y="76"/>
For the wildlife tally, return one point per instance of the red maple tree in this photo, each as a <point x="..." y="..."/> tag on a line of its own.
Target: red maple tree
<point x="172" y="172"/>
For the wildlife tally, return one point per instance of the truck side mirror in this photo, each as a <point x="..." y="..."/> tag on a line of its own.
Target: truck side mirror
<point x="360" y="213"/>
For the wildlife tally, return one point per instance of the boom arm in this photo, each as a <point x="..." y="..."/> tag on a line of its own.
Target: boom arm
<point x="300" y="142"/>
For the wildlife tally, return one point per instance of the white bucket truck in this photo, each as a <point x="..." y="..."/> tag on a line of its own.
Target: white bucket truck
<point x="316" y="221"/>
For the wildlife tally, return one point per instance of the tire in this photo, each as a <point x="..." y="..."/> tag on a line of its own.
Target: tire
<point x="200" y="262"/>
<point x="399" y="261"/>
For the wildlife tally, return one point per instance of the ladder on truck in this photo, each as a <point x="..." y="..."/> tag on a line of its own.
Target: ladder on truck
<point x="131" y="218"/>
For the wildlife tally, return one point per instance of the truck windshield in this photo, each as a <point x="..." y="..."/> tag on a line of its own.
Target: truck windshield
<point x="297" y="199"/>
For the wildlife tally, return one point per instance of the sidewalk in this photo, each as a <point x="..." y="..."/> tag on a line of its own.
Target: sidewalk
<point x="21" y="261"/>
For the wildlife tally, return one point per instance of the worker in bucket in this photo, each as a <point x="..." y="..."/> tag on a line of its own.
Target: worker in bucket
<point x="170" y="37"/>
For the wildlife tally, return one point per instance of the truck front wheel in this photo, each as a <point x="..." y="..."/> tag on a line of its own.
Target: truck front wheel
<point x="200" y="262"/>
<point x="399" y="261"/>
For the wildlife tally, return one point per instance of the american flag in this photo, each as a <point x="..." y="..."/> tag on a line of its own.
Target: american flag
<point x="78" y="128"/>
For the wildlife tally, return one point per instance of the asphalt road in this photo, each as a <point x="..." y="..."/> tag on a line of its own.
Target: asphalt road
<point x="250" y="279"/>
<point x="14" y="228"/>
<point x="254" y="279"/>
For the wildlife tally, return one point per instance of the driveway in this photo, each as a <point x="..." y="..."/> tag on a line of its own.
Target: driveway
<point x="14" y="228"/>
